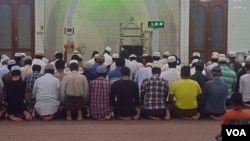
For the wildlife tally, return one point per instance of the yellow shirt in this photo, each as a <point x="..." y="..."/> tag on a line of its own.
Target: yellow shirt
<point x="185" y="92"/>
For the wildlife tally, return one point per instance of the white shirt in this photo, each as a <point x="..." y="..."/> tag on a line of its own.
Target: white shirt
<point x="245" y="87"/>
<point x="46" y="92"/>
<point x="210" y="67"/>
<point x="171" y="75"/>
<point x="131" y="66"/>
<point x="108" y="59"/>
<point x="163" y="61"/>
<point x="165" y="68"/>
<point x="138" y="66"/>
<point x="91" y="61"/>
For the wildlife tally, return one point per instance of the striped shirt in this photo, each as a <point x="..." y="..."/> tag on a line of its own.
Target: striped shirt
<point x="229" y="77"/>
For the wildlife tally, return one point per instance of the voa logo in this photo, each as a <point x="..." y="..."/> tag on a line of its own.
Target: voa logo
<point x="236" y="132"/>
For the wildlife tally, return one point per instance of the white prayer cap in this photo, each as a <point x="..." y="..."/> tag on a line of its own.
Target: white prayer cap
<point x="246" y="53"/>
<point x="18" y="54"/>
<point x="222" y="59"/>
<point x="196" y="54"/>
<point x="132" y="55"/>
<point x="15" y="68"/>
<point x="166" y="53"/>
<point x="109" y="49"/>
<point x="156" y="54"/>
<point x="115" y="55"/>
<point x="232" y="54"/>
<point x="73" y="61"/>
<point x="5" y="59"/>
<point x="171" y="59"/>
<point x="149" y="64"/>
<point x="80" y="56"/>
<point x="11" y="62"/>
<point x="247" y="59"/>
<point x="195" y="61"/>
<point x="39" y="53"/>
<point x="87" y="65"/>
<point x="23" y="54"/>
<point x="222" y="55"/>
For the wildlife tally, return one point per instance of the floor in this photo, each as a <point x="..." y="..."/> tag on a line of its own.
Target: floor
<point x="114" y="130"/>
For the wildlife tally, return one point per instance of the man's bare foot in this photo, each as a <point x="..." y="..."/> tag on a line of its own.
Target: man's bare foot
<point x="196" y="116"/>
<point x="246" y="104"/>
<point x="79" y="115"/>
<point x="69" y="117"/>
<point x="138" y="114"/>
<point x="215" y="117"/>
<point x="100" y="119"/>
<point x="124" y="118"/>
<point x="108" y="117"/>
<point x="1" y="113"/>
<point x="13" y="118"/>
<point x="167" y="115"/>
<point x="48" y="118"/>
<point x="186" y="118"/>
<point x="27" y="115"/>
<point x="154" y="118"/>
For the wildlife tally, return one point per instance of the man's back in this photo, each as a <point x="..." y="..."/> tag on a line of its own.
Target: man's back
<point x="213" y="98"/>
<point x="142" y="74"/>
<point x="46" y="87"/>
<point x="127" y="99"/>
<point x="74" y="84"/>
<point x="46" y="93"/>
<point x="171" y="75"/>
<point x="229" y="77"/>
<point x="155" y="89"/>
<point x="185" y="92"/>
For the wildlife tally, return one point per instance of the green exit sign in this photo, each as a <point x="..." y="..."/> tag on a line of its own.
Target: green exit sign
<point x="155" y="24"/>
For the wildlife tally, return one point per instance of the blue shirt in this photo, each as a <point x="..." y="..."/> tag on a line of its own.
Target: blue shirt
<point x="142" y="74"/>
<point x="115" y="74"/>
<point x="3" y="70"/>
<point x="94" y="68"/>
<point x="213" y="98"/>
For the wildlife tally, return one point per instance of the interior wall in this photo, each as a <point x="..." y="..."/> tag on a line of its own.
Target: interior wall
<point x="96" y="24"/>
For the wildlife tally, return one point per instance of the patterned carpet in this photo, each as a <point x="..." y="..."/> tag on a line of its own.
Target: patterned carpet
<point x="114" y="130"/>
